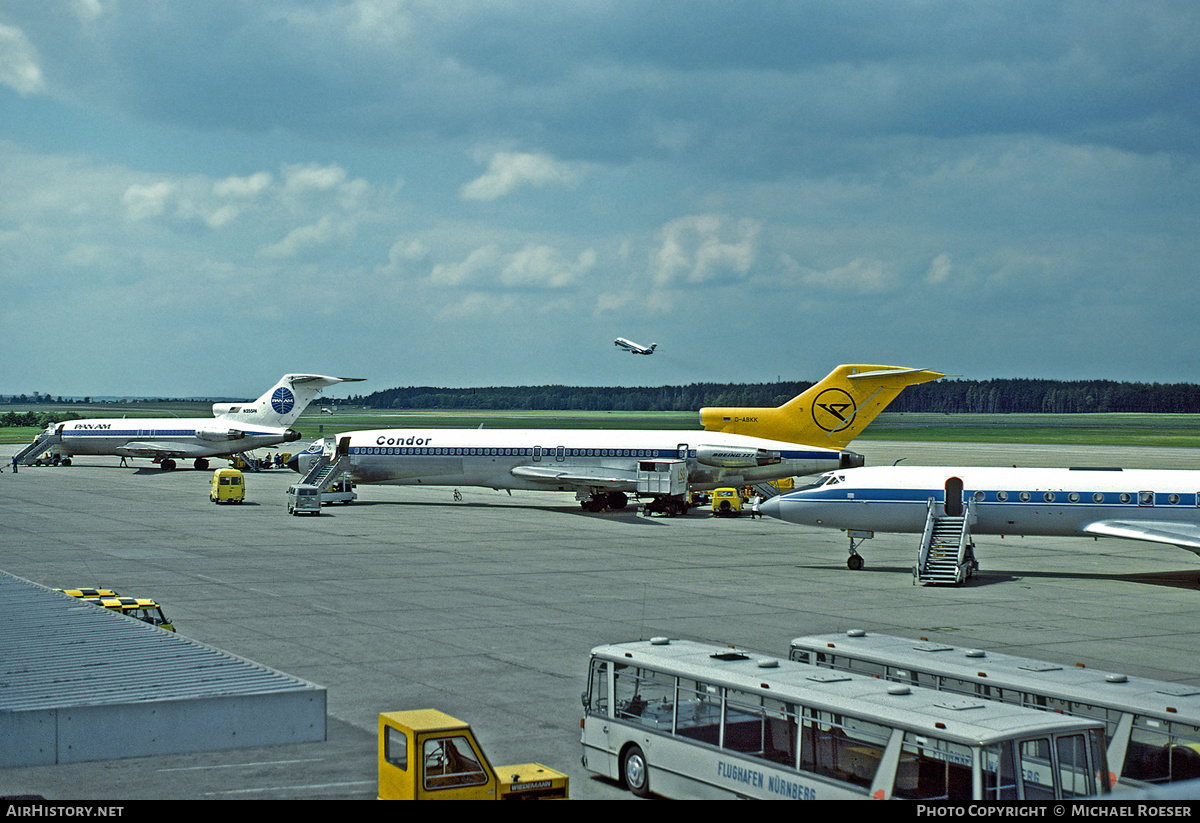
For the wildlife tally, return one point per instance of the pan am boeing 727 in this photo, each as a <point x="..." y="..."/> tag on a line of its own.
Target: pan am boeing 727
<point x="234" y="428"/>
<point x="1155" y="505"/>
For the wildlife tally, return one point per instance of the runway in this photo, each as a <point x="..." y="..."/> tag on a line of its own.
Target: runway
<point x="486" y="608"/>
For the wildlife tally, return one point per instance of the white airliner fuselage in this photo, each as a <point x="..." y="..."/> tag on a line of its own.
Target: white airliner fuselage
<point x="634" y="348"/>
<point x="1161" y="506"/>
<point x="593" y="462"/>
<point x="234" y="428"/>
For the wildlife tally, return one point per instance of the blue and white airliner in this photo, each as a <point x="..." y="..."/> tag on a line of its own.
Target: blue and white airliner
<point x="1155" y="505"/>
<point x="234" y="428"/>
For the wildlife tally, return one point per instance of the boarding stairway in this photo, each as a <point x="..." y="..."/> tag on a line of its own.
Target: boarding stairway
<point x="765" y="490"/>
<point x="41" y="443"/>
<point x="947" y="554"/>
<point x="326" y="471"/>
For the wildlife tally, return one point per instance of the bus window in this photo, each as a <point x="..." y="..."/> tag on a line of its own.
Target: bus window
<point x="759" y="727"/>
<point x="699" y="714"/>
<point x="597" y="697"/>
<point x="1073" y="766"/>
<point x="999" y="772"/>
<point x="1036" y="771"/>
<point x="1160" y="752"/>
<point x="849" y="753"/>
<point x="644" y="696"/>
<point x="932" y="769"/>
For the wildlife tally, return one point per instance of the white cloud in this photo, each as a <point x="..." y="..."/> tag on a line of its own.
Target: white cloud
<point x="144" y="201"/>
<point x="313" y="236"/>
<point x="544" y="266"/>
<point x="245" y="187"/>
<point x="702" y="248"/>
<point x="19" y="67"/>
<point x="939" y="270"/>
<point x="509" y="171"/>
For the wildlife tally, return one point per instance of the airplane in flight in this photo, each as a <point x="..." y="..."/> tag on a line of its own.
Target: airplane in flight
<point x="1155" y="505"/>
<point x="635" y="348"/>
<point x="234" y="428"/>
<point x="601" y="466"/>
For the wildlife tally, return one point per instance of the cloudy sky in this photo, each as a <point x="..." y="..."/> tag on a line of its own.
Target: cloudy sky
<point x="197" y="196"/>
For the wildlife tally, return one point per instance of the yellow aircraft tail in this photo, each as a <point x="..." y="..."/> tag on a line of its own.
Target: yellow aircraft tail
<point x="830" y="414"/>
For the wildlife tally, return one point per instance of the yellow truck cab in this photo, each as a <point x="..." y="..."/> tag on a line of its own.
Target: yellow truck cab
<point x="141" y="608"/>
<point x="726" y="502"/>
<point x="426" y="754"/>
<point x="228" y="486"/>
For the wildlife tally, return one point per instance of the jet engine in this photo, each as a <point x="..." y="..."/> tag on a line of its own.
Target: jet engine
<point x="735" y="457"/>
<point x="215" y="433"/>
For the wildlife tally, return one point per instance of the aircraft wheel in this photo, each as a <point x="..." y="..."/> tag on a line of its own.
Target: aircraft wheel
<point x="634" y="773"/>
<point x="66" y="461"/>
<point x="855" y="562"/>
<point x="617" y="500"/>
<point x="201" y="463"/>
<point x="168" y="465"/>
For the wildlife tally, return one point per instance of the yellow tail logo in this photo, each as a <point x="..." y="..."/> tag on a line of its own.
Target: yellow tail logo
<point x="830" y="414"/>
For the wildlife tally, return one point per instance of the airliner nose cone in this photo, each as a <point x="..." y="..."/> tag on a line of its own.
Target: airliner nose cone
<point x="770" y="507"/>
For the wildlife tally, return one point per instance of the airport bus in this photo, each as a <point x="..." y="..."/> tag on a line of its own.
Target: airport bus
<point x="1152" y="726"/>
<point x="686" y="719"/>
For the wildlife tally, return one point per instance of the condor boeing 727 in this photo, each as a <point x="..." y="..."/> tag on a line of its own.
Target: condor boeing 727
<point x="233" y="428"/>
<point x="601" y="466"/>
<point x="1155" y="505"/>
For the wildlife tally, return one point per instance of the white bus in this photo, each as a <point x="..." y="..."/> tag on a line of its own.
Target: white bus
<point x="1152" y="726"/>
<point x="695" y="720"/>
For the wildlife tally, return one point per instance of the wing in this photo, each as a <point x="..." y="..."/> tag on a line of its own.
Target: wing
<point x="1183" y="535"/>
<point x="164" y="449"/>
<point x="578" y="476"/>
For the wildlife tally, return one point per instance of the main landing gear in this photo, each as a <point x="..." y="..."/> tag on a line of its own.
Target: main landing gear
<point x="605" y="500"/>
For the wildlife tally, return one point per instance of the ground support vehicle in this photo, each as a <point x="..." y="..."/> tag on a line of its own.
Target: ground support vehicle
<point x="139" y="608"/>
<point x="426" y="754"/>
<point x="1152" y="726"/>
<point x="666" y="483"/>
<point x="342" y="491"/>
<point x="228" y="486"/>
<point x="303" y="499"/>
<point x="704" y="721"/>
<point x="726" y="503"/>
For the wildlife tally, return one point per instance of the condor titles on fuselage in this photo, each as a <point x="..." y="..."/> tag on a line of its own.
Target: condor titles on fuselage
<point x="601" y="466"/>
<point x="233" y="428"/>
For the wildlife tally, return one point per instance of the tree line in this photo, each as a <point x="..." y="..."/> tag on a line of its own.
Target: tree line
<point x="946" y="396"/>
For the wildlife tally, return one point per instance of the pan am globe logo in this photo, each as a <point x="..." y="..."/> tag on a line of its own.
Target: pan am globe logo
<point x="282" y="400"/>
<point x="833" y="410"/>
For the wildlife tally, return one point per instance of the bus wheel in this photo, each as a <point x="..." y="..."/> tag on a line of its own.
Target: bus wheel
<point x="633" y="772"/>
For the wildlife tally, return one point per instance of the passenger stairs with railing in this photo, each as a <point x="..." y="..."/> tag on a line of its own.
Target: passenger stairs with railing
<point x="40" y="444"/>
<point x="326" y="471"/>
<point x="946" y="554"/>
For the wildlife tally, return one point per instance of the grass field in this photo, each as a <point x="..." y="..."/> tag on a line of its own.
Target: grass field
<point x="1074" y="429"/>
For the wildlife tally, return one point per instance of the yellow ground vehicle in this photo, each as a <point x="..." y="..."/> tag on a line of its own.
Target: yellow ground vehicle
<point x="88" y="592"/>
<point x="142" y="608"/>
<point x="426" y="754"/>
<point x="228" y="486"/>
<point x="726" y="502"/>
